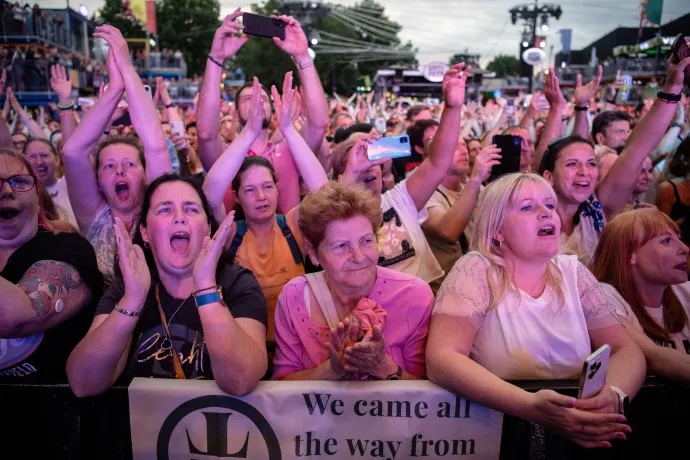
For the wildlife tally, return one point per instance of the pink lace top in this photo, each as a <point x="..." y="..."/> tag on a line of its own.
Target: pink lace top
<point x="401" y="304"/>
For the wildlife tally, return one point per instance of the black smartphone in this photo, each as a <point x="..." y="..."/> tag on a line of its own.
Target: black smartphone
<point x="510" y="146"/>
<point x="680" y="51"/>
<point x="263" y="26"/>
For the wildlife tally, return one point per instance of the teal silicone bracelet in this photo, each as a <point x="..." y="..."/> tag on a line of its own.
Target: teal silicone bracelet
<point x="206" y="299"/>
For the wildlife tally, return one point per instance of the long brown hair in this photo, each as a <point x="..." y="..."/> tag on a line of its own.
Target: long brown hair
<point x="623" y="235"/>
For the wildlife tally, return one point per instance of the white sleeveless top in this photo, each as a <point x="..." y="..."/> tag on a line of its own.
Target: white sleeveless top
<point x="526" y="338"/>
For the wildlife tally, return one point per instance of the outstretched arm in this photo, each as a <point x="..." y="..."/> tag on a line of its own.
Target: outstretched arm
<point x="82" y="184"/>
<point x="554" y="121"/>
<point x="295" y="44"/>
<point x="224" y="170"/>
<point x="141" y="109"/>
<point x="422" y="184"/>
<point x="618" y="185"/>
<point x="309" y="167"/>
<point x="226" y="43"/>
<point x="61" y="84"/>
<point x="584" y="93"/>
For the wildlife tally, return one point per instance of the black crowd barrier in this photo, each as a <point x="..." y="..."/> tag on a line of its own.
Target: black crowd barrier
<point x="49" y="422"/>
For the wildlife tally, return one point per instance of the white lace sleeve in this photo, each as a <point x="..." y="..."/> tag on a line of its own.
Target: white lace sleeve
<point x="596" y="305"/>
<point x="465" y="292"/>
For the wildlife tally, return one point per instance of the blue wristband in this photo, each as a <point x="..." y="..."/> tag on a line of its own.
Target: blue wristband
<point x="206" y="299"/>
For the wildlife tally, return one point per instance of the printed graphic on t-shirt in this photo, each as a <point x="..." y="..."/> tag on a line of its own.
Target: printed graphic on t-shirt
<point x="154" y="352"/>
<point x="684" y="346"/>
<point x="13" y="351"/>
<point x="394" y="242"/>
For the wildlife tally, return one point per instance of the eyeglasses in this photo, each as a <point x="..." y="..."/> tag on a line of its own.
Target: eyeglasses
<point x="19" y="183"/>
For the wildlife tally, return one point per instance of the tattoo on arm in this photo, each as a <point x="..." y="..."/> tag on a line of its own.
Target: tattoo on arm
<point x="47" y="279"/>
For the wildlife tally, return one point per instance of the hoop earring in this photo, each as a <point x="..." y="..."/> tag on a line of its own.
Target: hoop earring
<point x="499" y="242"/>
<point x="146" y="244"/>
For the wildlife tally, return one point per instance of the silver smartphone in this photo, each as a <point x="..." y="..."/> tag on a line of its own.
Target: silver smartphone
<point x="593" y="375"/>
<point x="389" y="147"/>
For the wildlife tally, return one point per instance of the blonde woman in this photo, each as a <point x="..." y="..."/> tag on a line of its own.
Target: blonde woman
<point x="642" y="265"/>
<point x="513" y="309"/>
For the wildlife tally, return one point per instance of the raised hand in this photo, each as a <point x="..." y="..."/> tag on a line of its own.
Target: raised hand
<point x="61" y="83"/>
<point x="211" y="248"/>
<point x="295" y="43"/>
<point x="552" y="90"/>
<point x="162" y="90"/>
<point x="116" y="44"/>
<point x="115" y="81"/>
<point x="283" y="107"/>
<point x="675" y="76"/>
<point x="255" y="119"/>
<point x="358" y="162"/>
<point x="135" y="272"/>
<point x="454" y="85"/>
<point x="227" y="41"/>
<point x="584" y="93"/>
<point x="487" y="158"/>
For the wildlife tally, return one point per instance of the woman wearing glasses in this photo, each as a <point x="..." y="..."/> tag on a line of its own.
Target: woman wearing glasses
<point x="49" y="282"/>
<point x="570" y="165"/>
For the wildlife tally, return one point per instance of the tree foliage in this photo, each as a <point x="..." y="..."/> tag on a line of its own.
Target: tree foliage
<point x="187" y="25"/>
<point x="261" y="58"/>
<point x="112" y="13"/>
<point x="504" y="66"/>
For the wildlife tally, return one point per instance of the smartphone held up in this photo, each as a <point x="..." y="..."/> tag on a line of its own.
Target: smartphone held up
<point x="263" y="26"/>
<point x="389" y="147"/>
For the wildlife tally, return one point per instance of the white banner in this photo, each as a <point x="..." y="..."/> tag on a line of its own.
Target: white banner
<point x="172" y="419"/>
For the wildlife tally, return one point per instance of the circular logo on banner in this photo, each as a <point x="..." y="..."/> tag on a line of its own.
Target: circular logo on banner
<point x="216" y="425"/>
<point x="435" y="71"/>
<point x="534" y="56"/>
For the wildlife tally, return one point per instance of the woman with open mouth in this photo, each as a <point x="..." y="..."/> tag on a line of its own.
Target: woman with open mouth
<point x="516" y="309"/>
<point x="268" y="244"/>
<point x="179" y="310"/>
<point x="570" y="165"/>
<point x="402" y="244"/>
<point x="642" y="264"/>
<point x="122" y="166"/>
<point x="49" y="282"/>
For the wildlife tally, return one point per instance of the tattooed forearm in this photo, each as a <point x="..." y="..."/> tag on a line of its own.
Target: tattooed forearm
<point x="46" y="280"/>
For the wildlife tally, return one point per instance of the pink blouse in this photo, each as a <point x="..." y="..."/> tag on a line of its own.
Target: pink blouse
<point x="406" y="299"/>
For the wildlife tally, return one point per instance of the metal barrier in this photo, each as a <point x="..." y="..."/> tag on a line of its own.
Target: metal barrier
<point x="50" y="422"/>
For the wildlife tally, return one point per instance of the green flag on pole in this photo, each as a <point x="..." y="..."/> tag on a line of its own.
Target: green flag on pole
<point x="654" y="8"/>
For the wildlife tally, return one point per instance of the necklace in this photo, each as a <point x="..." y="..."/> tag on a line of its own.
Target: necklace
<point x="178" y="309"/>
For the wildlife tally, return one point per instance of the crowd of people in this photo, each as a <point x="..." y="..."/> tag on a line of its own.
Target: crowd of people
<point x="138" y="239"/>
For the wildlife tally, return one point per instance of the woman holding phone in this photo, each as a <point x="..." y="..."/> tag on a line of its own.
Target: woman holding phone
<point x="514" y="309"/>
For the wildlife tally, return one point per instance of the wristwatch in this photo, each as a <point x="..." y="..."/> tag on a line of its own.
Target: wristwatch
<point x="623" y="400"/>
<point x="397" y="375"/>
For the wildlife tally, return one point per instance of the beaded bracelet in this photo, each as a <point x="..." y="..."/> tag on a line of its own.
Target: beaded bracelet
<point x="127" y="312"/>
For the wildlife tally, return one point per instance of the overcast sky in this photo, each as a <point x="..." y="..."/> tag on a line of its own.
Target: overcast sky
<point x="440" y="28"/>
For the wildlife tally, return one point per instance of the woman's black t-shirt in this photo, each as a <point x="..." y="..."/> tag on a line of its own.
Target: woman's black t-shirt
<point x="151" y="354"/>
<point x="41" y="358"/>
